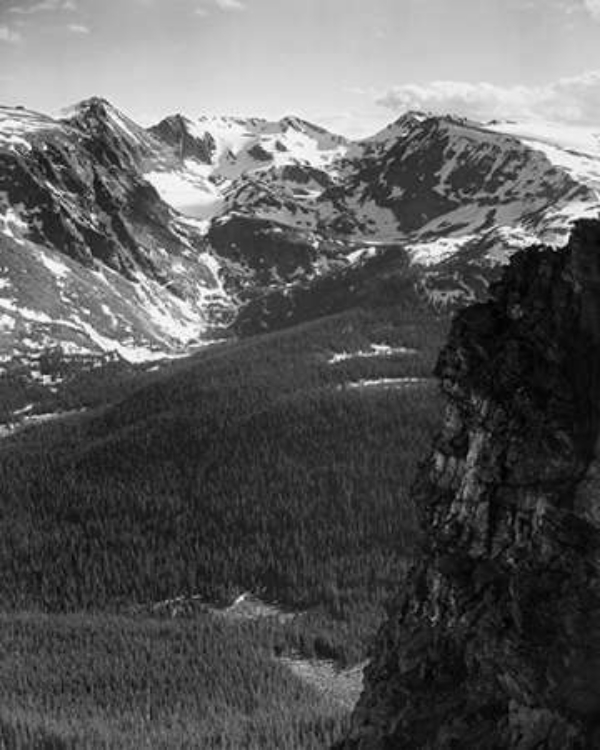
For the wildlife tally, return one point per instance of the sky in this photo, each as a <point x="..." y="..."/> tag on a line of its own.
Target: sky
<point x="351" y="65"/>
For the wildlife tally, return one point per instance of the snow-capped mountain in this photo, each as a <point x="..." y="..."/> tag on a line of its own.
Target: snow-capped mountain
<point x="145" y="241"/>
<point x="441" y="187"/>
<point x="214" y="152"/>
<point x="442" y="177"/>
<point x="248" y="145"/>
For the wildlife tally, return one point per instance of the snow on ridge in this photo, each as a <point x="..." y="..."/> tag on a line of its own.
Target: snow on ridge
<point x="430" y="252"/>
<point x="56" y="267"/>
<point x="391" y="383"/>
<point x="573" y="148"/>
<point x="18" y="120"/>
<point x="357" y="256"/>
<point x="581" y="138"/>
<point x="375" y="351"/>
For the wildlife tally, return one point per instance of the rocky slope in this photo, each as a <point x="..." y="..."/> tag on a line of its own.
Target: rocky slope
<point x="493" y="641"/>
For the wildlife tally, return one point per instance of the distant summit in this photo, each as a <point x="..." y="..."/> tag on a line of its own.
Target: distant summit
<point x="185" y="138"/>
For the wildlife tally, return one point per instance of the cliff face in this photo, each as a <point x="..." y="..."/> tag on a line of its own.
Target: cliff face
<point x="494" y="641"/>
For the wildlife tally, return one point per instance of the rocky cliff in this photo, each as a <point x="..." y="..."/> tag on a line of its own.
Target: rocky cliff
<point x="494" y="641"/>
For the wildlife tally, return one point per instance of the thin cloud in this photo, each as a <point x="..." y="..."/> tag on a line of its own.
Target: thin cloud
<point x="225" y="5"/>
<point x="593" y="8"/>
<point x="230" y="4"/>
<point x="354" y="124"/>
<point x="45" y="6"/>
<point x="575" y="99"/>
<point x="79" y="28"/>
<point x="9" y="36"/>
<point x="569" y="7"/>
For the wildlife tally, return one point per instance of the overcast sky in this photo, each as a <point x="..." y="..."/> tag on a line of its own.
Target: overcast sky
<point x="352" y="65"/>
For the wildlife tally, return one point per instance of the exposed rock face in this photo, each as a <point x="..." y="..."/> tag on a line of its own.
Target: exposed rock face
<point x="175" y="131"/>
<point x="494" y="641"/>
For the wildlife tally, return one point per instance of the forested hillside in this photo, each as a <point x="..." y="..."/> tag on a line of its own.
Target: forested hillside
<point x="250" y="466"/>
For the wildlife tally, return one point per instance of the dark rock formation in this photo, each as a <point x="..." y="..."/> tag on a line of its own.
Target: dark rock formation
<point x="259" y="153"/>
<point x="266" y="253"/>
<point x="175" y="132"/>
<point x="494" y="641"/>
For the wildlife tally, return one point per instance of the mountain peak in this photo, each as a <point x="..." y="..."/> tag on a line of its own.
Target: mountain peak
<point x="182" y="134"/>
<point x="414" y="116"/>
<point x="177" y="119"/>
<point x="292" y="121"/>
<point x="404" y="125"/>
<point x="96" y="105"/>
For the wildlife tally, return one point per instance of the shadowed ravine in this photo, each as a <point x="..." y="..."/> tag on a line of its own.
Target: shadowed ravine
<point x="494" y="639"/>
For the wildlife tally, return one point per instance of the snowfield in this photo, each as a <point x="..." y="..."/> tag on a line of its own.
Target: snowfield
<point x="189" y="190"/>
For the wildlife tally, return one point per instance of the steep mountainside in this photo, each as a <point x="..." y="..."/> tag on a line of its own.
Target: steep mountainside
<point x="493" y="640"/>
<point x="92" y="258"/>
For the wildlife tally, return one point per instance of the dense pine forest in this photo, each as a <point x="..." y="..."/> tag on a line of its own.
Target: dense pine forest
<point x="80" y="681"/>
<point x="279" y="465"/>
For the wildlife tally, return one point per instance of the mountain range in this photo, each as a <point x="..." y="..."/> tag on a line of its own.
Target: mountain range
<point x="148" y="242"/>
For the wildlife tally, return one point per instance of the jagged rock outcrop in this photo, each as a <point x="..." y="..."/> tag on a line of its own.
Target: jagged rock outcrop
<point x="180" y="133"/>
<point x="494" y="641"/>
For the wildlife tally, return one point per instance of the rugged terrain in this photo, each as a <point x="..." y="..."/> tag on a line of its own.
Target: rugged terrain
<point x="214" y="333"/>
<point x="492" y="641"/>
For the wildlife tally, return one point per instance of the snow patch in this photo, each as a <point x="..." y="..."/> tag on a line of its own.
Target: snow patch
<point x="386" y="383"/>
<point x="376" y="350"/>
<point x="434" y="251"/>
<point x="358" y="256"/>
<point x="56" y="267"/>
<point x="187" y="191"/>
